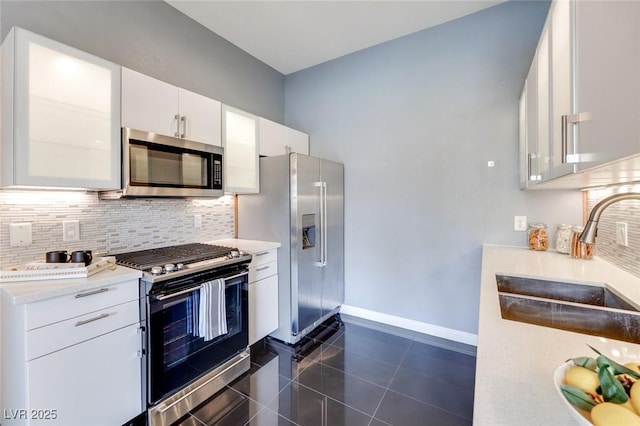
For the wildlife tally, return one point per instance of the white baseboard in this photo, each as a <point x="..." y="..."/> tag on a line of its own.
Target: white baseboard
<point x="413" y="325"/>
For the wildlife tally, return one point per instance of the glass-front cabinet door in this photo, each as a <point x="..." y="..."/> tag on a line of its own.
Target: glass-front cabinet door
<point x="65" y="128"/>
<point x="241" y="151"/>
<point x="562" y="91"/>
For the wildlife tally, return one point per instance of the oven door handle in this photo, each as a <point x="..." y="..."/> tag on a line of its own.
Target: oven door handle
<point x="189" y="290"/>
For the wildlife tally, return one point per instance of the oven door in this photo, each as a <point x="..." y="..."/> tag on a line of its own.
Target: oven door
<point x="178" y="352"/>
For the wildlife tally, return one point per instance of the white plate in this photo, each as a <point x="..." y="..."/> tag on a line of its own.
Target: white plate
<point x="580" y="416"/>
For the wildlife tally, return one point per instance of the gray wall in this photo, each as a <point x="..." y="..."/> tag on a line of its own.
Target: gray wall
<point x="155" y="39"/>
<point x="415" y="121"/>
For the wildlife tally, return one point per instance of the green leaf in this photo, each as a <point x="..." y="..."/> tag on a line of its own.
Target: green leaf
<point x="577" y="397"/>
<point x="612" y="389"/>
<point x="618" y="369"/>
<point x="586" y="362"/>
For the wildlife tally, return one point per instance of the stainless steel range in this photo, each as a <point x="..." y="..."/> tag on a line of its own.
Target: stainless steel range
<point x="194" y="307"/>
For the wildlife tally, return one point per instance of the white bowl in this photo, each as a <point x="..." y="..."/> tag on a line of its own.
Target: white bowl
<point x="580" y="416"/>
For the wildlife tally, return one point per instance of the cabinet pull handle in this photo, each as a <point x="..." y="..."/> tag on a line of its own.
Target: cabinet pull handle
<point x="87" y="321"/>
<point x="263" y="268"/>
<point x="91" y="293"/>
<point x="177" y="118"/>
<point x="563" y="145"/>
<point x="529" y="161"/>
<point x="261" y="253"/>
<point x="566" y="120"/>
<point x="183" y="120"/>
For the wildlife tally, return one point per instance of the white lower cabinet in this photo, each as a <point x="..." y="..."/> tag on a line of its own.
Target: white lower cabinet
<point x="91" y="383"/>
<point x="73" y="359"/>
<point x="263" y="294"/>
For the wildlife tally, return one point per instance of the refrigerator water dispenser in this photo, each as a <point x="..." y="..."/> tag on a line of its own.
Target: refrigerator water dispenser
<point x="308" y="231"/>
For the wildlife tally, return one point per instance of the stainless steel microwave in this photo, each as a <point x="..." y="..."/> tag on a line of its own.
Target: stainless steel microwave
<point x="162" y="166"/>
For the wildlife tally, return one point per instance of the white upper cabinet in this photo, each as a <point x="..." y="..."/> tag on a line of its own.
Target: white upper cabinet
<point x="607" y="81"/>
<point x="200" y="118"/>
<point x="241" y="148"/>
<point x="276" y="139"/>
<point x="542" y="104"/>
<point x="524" y="156"/>
<point x="148" y="104"/>
<point x="561" y="93"/>
<point x="60" y="115"/>
<point x="297" y="140"/>
<point x="531" y="155"/>
<point x="594" y="94"/>
<point x="154" y="106"/>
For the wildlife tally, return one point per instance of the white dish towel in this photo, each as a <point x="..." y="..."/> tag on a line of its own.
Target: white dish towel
<point x="212" y="312"/>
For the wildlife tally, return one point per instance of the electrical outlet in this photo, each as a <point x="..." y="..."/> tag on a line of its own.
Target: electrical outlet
<point x="519" y="223"/>
<point x="20" y="234"/>
<point x="197" y="221"/>
<point x="621" y="234"/>
<point x="70" y="231"/>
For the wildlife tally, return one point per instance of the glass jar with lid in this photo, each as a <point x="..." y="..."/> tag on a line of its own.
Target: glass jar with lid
<point x="563" y="238"/>
<point x="576" y="245"/>
<point x="537" y="236"/>
<point x="580" y="250"/>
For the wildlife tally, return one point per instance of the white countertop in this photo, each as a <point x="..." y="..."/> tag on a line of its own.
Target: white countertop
<point x="250" y="246"/>
<point x="32" y="291"/>
<point x="516" y="361"/>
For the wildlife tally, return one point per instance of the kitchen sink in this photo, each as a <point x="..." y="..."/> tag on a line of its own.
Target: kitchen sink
<point x="582" y="308"/>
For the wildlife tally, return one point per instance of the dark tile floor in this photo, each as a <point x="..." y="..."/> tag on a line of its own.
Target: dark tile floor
<point x="359" y="373"/>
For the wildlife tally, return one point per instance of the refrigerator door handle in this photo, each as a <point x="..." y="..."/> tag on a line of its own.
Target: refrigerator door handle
<point x="323" y="224"/>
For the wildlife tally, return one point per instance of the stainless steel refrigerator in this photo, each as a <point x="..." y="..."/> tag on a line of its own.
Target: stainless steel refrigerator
<point x="300" y="205"/>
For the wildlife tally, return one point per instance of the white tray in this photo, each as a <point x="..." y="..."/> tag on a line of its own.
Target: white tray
<point x="56" y="271"/>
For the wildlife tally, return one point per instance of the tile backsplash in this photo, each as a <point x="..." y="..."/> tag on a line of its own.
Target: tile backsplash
<point x="108" y="226"/>
<point x="627" y="258"/>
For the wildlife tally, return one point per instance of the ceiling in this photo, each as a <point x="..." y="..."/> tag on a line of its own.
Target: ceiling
<point x="292" y="35"/>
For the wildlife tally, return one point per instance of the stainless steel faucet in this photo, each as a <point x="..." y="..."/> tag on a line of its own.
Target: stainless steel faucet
<point x="588" y="236"/>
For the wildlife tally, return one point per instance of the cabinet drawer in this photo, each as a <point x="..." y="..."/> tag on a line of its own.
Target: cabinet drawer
<point x="263" y="256"/>
<point x="44" y="340"/>
<point x="263" y="271"/>
<point x="82" y="302"/>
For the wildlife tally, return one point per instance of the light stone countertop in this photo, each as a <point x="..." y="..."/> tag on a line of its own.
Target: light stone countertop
<point x="250" y="246"/>
<point x="20" y="292"/>
<point x="516" y="361"/>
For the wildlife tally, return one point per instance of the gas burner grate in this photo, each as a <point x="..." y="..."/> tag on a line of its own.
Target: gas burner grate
<point x="185" y="253"/>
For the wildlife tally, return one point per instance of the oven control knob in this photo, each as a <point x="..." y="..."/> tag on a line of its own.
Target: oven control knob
<point x="156" y="270"/>
<point x="169" y="267"/>
<point x="180" y="266"/>
<point x="242" y="253"/>
<point x="234" y="253"/>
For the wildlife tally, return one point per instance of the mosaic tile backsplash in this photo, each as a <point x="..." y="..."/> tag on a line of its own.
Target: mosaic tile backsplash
<point x="108" y="226"/>
<point x="627" y="258"/>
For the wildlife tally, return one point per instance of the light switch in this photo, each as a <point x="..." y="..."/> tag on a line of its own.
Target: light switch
<point x="197" y="221"/>
<point x="621" y="234"/>
<point x="519" y="223"/>
<point x="20" y="234"/>
<point x="70" y="231"/>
